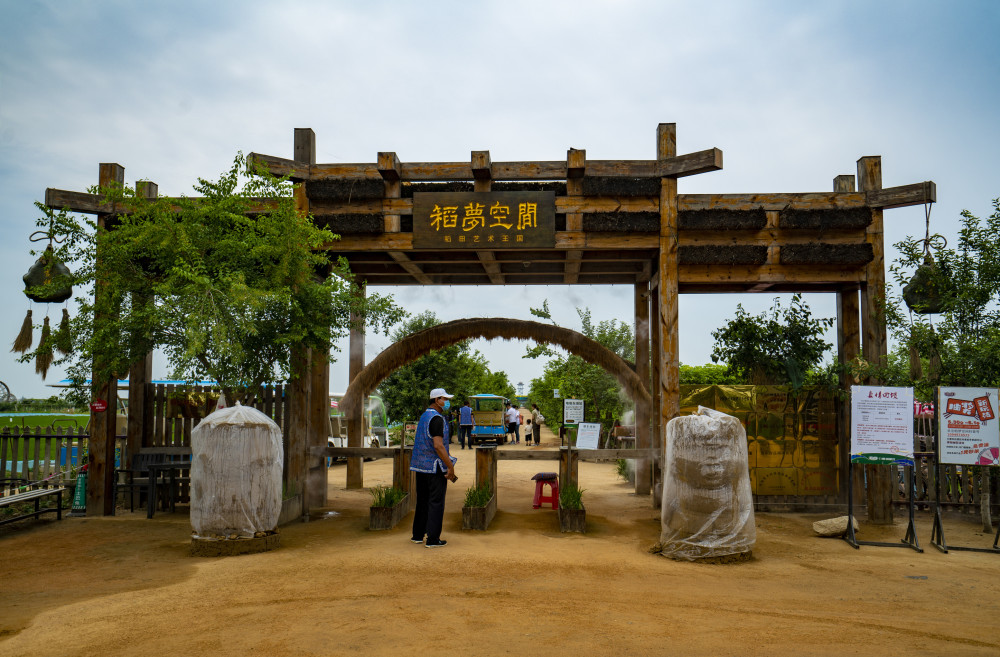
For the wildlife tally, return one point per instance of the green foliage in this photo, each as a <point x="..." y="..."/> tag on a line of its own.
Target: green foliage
<point x="224" y="289"/>
<point x="571" y="497"/>
<point x="623" y="469"/>
<point x="477" y="497"/>
<point x="774" y="347"/>
<point x="959" y="346"/>
<point x="709" y="374"/>
<point x="456" y="368"/>
<point x="386" y="496"/>
<point x="575" y="378"/>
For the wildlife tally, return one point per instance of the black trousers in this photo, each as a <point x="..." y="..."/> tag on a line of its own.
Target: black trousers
<point x="429" y="514"/>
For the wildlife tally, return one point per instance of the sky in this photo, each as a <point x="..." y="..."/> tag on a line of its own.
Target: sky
<point x="793" y="93"/>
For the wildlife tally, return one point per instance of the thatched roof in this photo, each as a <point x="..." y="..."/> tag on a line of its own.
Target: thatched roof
<point x="417" y="344"/>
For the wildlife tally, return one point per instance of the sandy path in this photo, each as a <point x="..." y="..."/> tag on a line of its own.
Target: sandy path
<point x="126" y="586"/>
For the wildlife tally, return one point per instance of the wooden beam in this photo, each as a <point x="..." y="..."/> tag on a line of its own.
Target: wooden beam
<point x="411" y="268"/>
<point x="280" y="167"/>
<point x="491" y="266"/>
<point x="773" y="274"/>
<point x="685" y="165"/>
<point x="905" y="195"/>
<point x="798" y="201"/>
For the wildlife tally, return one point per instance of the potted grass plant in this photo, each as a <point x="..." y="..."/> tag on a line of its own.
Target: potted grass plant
<point x="572" y="515"/>
<point x="389" y="505"/>
<point x="479" y="508"/>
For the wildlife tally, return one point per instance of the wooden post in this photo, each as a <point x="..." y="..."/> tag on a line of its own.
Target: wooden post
<point x="569" y="467"/>
<point x="668" y="281"/>
<point x="319" y="427"/>
<point x="874" y="343"/>
<point x="103" y="425"/>
<point x="402" y="477"/>
<point x="141" y="371"/>
<point x="576" y="166"/>
<point x="355" y="422"/>
<point x="642" y="441"/>
<point x="848" y="348"/>
<point x="299" y="388"/>
<point x="486" y="468"/>
<point x="315" y="369"/>
<point x="390" y="168"/>
<point x="654" y="359"/>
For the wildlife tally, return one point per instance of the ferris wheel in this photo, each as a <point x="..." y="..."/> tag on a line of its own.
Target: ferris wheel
<point x="5" y="394"/>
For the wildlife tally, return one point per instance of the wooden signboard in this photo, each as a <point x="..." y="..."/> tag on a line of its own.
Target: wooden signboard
<point x="484" y="220"/>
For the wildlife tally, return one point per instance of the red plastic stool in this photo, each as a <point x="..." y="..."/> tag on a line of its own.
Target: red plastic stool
<point x="552" y="481"/>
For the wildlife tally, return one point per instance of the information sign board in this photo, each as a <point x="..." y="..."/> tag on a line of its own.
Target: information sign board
<point x="588" y="435"/>
<point x="968" y="429"/>
<point x="881" y="425"/>
<point x="572" y="411"/>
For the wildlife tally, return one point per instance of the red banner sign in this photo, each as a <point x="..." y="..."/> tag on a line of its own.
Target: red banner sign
<point x="98" y="406"/>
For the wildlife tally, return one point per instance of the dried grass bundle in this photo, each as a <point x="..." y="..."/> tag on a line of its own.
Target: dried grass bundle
<point x="22" y="343"/>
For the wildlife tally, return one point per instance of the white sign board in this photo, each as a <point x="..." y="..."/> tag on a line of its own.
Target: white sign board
<point x="572" y="411"/>
<point x="881" y="425"/>
<point x="588" y="435"/>
<point x="968" y="430"/>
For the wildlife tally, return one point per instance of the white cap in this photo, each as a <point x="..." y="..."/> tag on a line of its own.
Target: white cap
<point x="439" y="392"/>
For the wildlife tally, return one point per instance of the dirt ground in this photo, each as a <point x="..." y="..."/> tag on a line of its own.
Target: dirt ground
<point x="127" y="586"/>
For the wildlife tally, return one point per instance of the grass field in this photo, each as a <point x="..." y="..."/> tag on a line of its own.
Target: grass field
<point x="32" y="420"/>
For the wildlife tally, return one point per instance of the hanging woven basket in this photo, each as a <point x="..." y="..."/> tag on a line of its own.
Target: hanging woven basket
<point x="928" y="291"/>
<point x="48" y="270"/>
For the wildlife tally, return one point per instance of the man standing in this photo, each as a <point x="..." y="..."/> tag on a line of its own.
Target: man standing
<point x="513" y="422"/>
<point x="466" y="420"/>
<point x="434" y="468"/>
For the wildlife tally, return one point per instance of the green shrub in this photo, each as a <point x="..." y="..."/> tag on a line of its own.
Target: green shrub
<point x="477" y="496"/>
<point x="386" y="496"/>
<point x="623" y="469"/>
<point x="571" y="497"/>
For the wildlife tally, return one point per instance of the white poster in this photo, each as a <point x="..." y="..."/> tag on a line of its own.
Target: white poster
<point x="881" y="425"/>
<point x="588" y="435"/>
<point x="968" y="428"/>
<point x="572" y="411"/>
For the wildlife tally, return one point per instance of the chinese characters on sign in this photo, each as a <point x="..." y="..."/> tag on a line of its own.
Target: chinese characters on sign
<point x="969" y="432"/>
<point x="881" y="425"/>
<point x="484" y="220"/>
<point x="572" y="411"/>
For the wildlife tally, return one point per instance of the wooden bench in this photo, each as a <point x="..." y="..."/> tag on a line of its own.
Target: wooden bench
<point x="36" y="496"/>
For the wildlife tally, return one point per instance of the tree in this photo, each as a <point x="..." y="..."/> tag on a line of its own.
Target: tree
<point x="777" y="346"/>
<point x="959" y="348"/>
<point x="226" y="288"/>
<point x="456" y="368"/>
<point x="575" y="378"/>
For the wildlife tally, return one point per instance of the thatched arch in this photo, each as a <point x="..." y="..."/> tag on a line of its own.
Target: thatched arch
<point x="417" y="344"/>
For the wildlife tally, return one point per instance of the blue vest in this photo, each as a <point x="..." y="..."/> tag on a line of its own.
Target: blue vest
<point x="465" y="415"/>
<point x="425" y="458"/>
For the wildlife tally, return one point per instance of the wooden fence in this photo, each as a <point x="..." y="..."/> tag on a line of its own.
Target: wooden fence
<point x="49" y="456"/>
